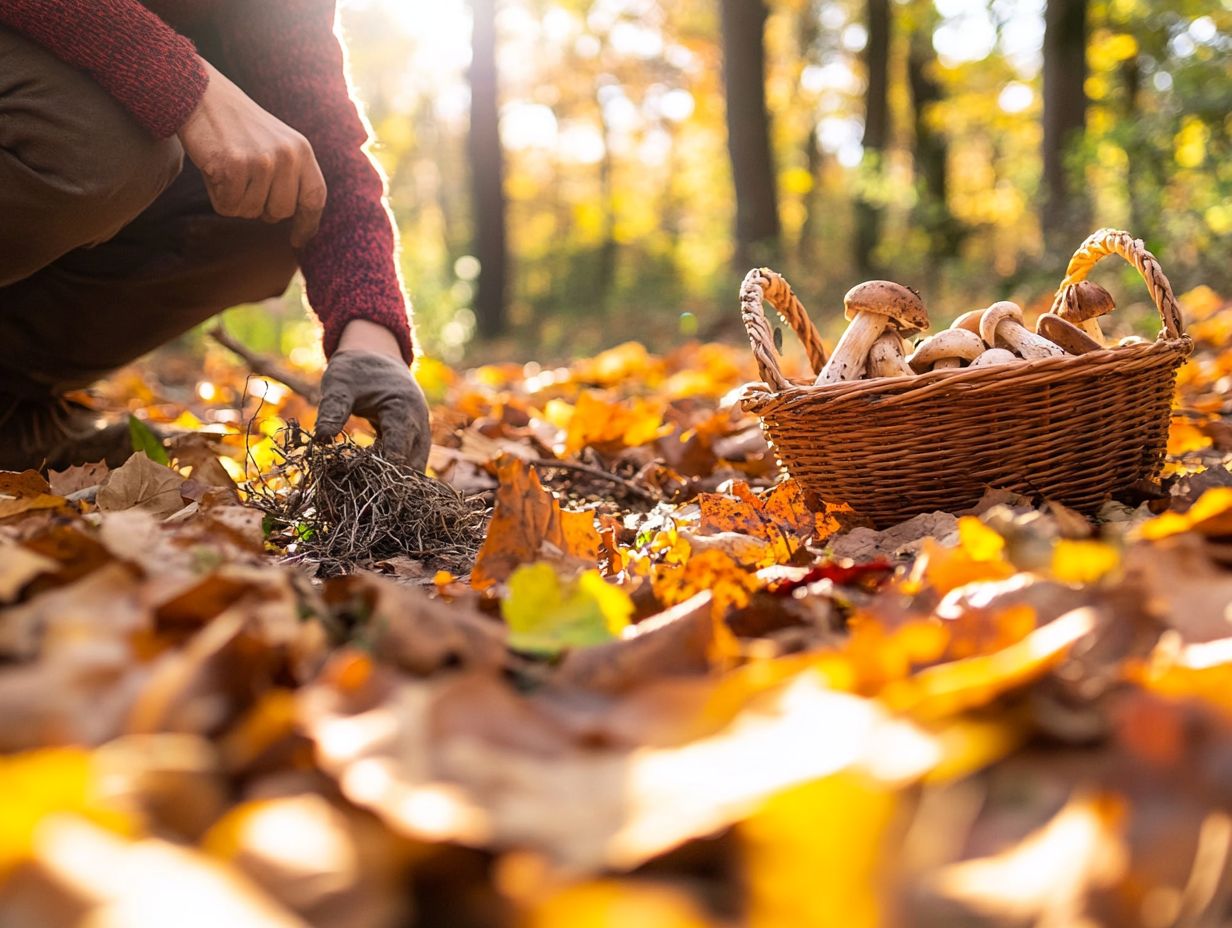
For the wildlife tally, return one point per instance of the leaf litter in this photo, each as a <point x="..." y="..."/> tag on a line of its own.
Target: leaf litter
<point x="716" y="709"/>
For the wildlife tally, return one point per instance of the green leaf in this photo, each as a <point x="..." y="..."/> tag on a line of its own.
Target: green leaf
<point x="546" y="615"/>
<point x="144" y="439"/>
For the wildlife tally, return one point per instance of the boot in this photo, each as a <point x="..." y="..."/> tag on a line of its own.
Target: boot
<point x="53" y="433"/>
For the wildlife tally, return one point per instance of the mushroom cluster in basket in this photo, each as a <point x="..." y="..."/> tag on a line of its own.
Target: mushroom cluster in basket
<point x="884" y="314"/>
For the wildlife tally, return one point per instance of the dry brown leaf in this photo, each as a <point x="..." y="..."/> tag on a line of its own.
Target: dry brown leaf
<point x="674" y="643"/>
<point x="78" y="477"/>
<point x="116" y="883"/>
<point x="527" y="516"/>
<point x="25" y="492"/>
<point x="592" y="807"/>
<point x="142" y="484"/>
<point x="405" y="627"/>
<point x="18" y="566"/>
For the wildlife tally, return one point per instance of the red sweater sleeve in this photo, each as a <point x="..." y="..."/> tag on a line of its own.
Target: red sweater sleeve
<point x="137" y="58"/>
<point x="289" y="60"/>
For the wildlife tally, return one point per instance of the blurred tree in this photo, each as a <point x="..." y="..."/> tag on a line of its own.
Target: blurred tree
<point x="748" y="131"/>
<point x="487" y="175"/>
<point x="943" y="231"/>
<point x="1065" y="206"/>
<point x="876" y="132"/>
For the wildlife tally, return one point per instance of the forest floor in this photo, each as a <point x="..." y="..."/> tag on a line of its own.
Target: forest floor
<point x="668" y="694"/>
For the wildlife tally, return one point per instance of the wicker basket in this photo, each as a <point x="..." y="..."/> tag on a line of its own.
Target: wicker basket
<point x="1074" y="429"/>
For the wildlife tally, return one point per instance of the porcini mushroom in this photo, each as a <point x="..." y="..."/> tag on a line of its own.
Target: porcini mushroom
<point x="885" y="358"/>
<point x="1066" y="335"/>
<point x="1083" y="303"/>
<point x="969" y="320"/>
<point x="1002" y="324"/>
<point x="993" y="357"/>
<point x="872" y="307"/>
<point x="946" y="349"/>
<point x="1132" y="340"/>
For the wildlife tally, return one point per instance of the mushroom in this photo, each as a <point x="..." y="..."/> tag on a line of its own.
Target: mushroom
<point x="993" y="357"/>
<point x="871" y="307"/>
<point x="1082" y="304"/>
<point x="1066" y="335"/>
<point x="1002" y="322"/>
<point x="946" y="349"/>
<point x="969" y="320"/>
<point x="1132" y="340"/>
<point x="885" y="358"/>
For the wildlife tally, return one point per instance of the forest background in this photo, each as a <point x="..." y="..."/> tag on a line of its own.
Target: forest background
<point x="567" y="174"/>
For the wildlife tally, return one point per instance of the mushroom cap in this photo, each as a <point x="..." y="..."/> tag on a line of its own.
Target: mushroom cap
<point x="948" y="343"/>
<point x="995" y="356"/>
<point x="902" y="304"/>
<point x="1085" y="300"/>
<point x="1066" y="335"/>
<point x="994" y="315"/>
<point x="969" y="320"/>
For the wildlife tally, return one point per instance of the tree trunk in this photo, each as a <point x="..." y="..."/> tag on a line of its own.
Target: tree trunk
<point x="487" y="175"/>
<point x="931" y="148"/>
<point x="876" y="133"/>
<point x="748" y="131"/>
<point x="1065" y="115"/>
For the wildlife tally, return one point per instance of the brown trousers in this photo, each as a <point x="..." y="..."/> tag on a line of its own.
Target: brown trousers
<point x="108" y="244"/>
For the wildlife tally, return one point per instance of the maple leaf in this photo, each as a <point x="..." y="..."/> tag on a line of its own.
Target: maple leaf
<point x="526" y="518"/>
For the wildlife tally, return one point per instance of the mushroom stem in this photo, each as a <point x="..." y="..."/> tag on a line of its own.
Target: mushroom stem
<point x="1002" y="323"/>
<point x="847" y="362"/>
<point x="946" y="364"/>
<point x="885" y="358"/>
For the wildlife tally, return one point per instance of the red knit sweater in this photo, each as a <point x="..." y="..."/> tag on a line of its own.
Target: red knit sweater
<point x="286" y="56"/>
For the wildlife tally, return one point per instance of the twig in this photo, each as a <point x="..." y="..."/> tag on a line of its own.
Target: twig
<point x="630" y="487"/>
<point x="265" y="367"/>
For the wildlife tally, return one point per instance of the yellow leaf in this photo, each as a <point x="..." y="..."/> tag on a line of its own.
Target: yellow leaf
<point x="617" y="904"/>
<point x="813" y="854"/>
<point x="38" y="784"/>
<point x="978" y="540"/>
<point x="1210" y="515"/>
<point x="1184" y="437"/>
<point x="547" y="614"/>
<point x="1081" y="562"/>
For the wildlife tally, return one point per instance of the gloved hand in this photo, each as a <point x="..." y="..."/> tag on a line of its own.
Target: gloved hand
<point x="380" y="389"/>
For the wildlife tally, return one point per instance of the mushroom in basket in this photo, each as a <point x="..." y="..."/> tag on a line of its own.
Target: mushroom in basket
<point x="1082" y="304"/>
<point x="1001" y="326"/>
<point x="947" y="349"/>
<point x="886" y="357"/>
<point x="969" y="320"/>
<point x="1066" y="335"/>
<point x="872" y="307"/>
<point x="995" y="357"/>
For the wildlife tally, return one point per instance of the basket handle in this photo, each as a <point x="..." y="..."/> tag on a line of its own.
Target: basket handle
<point x="1105" y="242"/>
<point x="762" y="284"/>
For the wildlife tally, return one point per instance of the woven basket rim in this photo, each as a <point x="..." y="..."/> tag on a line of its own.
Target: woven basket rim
<point x="757" y="395"/>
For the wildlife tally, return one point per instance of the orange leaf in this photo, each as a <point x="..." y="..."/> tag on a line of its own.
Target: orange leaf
<point x="526" y="517"/>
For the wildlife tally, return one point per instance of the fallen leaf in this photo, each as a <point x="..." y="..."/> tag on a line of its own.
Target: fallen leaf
<point x="142" y="484"/>
<point x="527" y="516"/>
<point x="78" y="477"/>
<point x="546" y="614"/>
<point x="24" y="492"/>
<point x="18" y="566"/>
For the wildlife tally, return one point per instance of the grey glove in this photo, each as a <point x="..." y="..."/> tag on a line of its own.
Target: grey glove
<point x="380" y="389"/>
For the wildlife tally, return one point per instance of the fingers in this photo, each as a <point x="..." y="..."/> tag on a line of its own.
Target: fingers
<point x="312" y="196"/>
<point x="337" y="402"/>
<point x="283" y="196"/>
<point x="397" y="440"/>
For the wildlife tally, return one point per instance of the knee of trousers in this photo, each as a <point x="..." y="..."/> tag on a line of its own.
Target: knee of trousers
<point x="75" y="167"/>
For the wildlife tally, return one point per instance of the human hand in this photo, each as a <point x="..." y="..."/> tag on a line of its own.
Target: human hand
<point x="255" y="166"/>
<point x="367" y="377"/>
